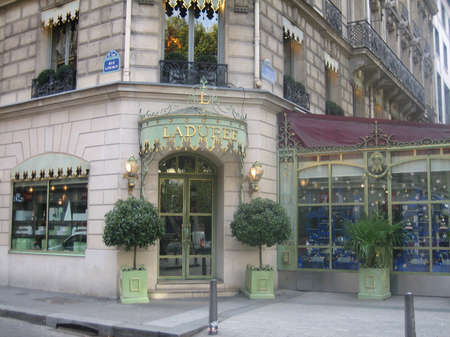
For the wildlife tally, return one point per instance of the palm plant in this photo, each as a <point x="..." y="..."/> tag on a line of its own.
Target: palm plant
<point x="373" y="239"/>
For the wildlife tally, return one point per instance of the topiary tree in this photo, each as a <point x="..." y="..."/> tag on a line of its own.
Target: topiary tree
<point x="133" y="223"/>
<point x="45" y="76"/>
<point x="261" y="222"/>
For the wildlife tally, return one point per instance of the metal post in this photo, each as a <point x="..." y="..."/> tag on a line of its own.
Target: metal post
<point x="410" y="322"/>
<point x="213" y="322"/>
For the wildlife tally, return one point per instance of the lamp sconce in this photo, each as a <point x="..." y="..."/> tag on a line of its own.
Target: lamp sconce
<point x="131" y="168"/>
<point x="254" y="176"/>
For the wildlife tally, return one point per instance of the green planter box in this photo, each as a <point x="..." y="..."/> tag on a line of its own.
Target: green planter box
<point x="374" y="283"/>
<point x="259" y="284"/>
<point x="133" y="286"/>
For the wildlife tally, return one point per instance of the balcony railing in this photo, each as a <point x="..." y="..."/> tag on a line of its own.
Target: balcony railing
<point x="416" y="30"/>
<point x="334" y="16"/>
<point x="296" y="95"/>
<point x="404" y="12"/>
<point x="191" y="73"/>
<point x="54" y="86"/>
<point x="361" y="34"/>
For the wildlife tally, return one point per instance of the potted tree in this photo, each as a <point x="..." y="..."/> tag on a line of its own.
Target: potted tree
<point x="133" y="223"/>
<point x="373" y="239"/>
<point x="261" y="222"/>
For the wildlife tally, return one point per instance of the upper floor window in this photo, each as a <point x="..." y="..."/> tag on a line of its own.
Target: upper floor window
<point x="192" y="33"/>
<point x="436" y="38"/>
<point x="445" y="57"/>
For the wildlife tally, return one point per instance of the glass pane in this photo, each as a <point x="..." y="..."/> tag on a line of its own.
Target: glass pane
<point x="205" y="35"/>
<point x="201" y="234"/>
<point x="440" y="179"/>
<point x="29" y="216"/>
<point x="329" y="157"/>
<point x="356" y="158"/>
<point x="377" y="194"/>
<point x="172" y="195"/>
<point x="415" y="222"/>
<point x="313" y="225"/>
<point x="186" y="164"/>
<point x="171" y="244"/>
<point x="440" y="224"/>
<point x="441" y="261"/>
<point x="201" y="196"/>
<point x="346" y="184"/>
<point x="168" y="166"/>
<point x="314" y="258"/>
<point x="412" y="260"/>
<point x="345" y="259"/>
<point x="177" y="32"/>
<point x="409" y="181"/>
<point x="200" y="266"/>
<point x="401" y="155"/>
<point x="304" y="161"/>
<point x="341" y="214"/>
<point x="313" y="185"/>
<point x="204" y="167"/>
<point x="170" y="267"/>
<point x="67" y="217"/>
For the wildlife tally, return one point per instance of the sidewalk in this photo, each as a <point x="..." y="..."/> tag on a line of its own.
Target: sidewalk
<point x="292" y="313"/>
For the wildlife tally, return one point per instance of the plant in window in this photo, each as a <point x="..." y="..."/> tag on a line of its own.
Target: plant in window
<point x="373" y="239"/>
<point x="45" y="76"/>
<point x="175" y="56"/>
<point x="290" y="79"/>
<point x="261" y="222"/>
<point x="331" y="108"/>
<point x="64" y="69"/>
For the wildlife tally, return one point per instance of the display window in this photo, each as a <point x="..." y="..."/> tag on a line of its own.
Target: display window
<point x="50" y="216"/>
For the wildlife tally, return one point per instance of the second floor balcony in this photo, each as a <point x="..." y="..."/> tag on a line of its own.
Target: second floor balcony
<point x="191" y="73"/>
<point x="294" y="93"/>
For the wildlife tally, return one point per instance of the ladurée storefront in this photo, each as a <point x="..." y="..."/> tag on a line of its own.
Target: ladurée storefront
<point x="332" y="169"/>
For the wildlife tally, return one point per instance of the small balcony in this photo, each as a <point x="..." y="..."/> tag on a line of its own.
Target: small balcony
<point x="295" y="94"/>
<point x="191" y="73"/>
<point x="334" y="16"/>
<point x="54" y="84"/>
<point x="361" y="34"/>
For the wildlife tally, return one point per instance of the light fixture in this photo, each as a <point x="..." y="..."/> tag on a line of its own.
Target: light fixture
<point x="131" y="168"/>
<point x="304" y="182"/>
<point x="254" y="177"/>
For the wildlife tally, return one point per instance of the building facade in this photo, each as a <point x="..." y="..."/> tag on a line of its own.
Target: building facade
<point x="197" y="91"/>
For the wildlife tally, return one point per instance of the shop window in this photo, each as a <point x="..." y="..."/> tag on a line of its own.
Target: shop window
<point x="50" y="216"/>
<point x="192" y="33"/>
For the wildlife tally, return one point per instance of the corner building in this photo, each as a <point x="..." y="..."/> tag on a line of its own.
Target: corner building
<point x="197" y="92"/>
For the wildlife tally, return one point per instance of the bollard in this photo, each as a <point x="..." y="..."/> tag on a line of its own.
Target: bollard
<point x="213" y="321"/>
<point x="410" y="322"/>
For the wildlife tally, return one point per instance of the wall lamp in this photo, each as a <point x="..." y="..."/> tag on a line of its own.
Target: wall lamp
<point x="254" y="176"/>
<point x="131" y="168"/>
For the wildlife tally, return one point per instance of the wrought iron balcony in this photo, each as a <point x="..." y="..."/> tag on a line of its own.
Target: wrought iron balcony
<point x="361" y="34"/>
<point x="191" y="73"/>
<point x="334" y="16"/>
<point x="296" y="95"/>
<point x="404" y="12"/>
<point x="52" y="86"/>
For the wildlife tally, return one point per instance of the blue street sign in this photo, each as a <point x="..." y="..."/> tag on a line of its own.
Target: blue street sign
<point x="111" y="62"/>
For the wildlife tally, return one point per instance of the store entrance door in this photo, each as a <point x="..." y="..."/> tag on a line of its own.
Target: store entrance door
<point x="186" y="206"/>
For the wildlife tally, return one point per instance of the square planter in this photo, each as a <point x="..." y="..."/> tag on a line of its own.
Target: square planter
<point x="259" y="284"/>
<point x="133" y="286"/>
<point x="374" y="283"/>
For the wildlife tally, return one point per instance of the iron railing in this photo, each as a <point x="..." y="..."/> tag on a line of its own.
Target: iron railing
<point x="334" y="16"/>
<point x="54" y="86"/>
<point x="404" y="12"/>
<point x="361" y="34"/>
<point x="416" y="30"/>
<point x="295" y="94"/>
<point x="191" y="73"/>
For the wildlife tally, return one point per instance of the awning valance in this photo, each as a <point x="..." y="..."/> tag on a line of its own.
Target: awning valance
<point x="331" y="63"/>
<point x="294" y="32"/>
<point x="200" y="3"/>
<point x="60" y="15"/>
<point x="50" y="166"/>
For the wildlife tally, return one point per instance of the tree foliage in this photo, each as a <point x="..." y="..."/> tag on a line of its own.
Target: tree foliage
<point x="373" y="239"/>
<point x="261" y="222"/>
<point x="133" y="223"/>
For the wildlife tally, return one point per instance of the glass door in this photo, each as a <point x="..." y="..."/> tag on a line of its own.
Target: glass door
<point x="186" y="206"/>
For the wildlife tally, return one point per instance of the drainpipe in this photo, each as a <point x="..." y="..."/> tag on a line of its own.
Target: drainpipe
<point x="126" y="66"/>
<point x="257" y="79"/>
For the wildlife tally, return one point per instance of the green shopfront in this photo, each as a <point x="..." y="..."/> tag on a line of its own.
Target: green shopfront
<point x="332" y="169"/>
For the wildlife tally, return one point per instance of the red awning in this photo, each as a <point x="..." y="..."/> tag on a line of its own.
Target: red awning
<point x="319" y="131"/>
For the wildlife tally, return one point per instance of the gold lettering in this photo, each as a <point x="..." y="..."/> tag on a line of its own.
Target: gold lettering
<point x="201" y="99"/>
<point x="165" y="133"/>
<point x="235" y="132"/>
<point x="215" y="132"/>
<point x="178" y="132"/>
<point x="194" y="131"/>
<point x="200" y="131"/>
<point x="226" y="133"/>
